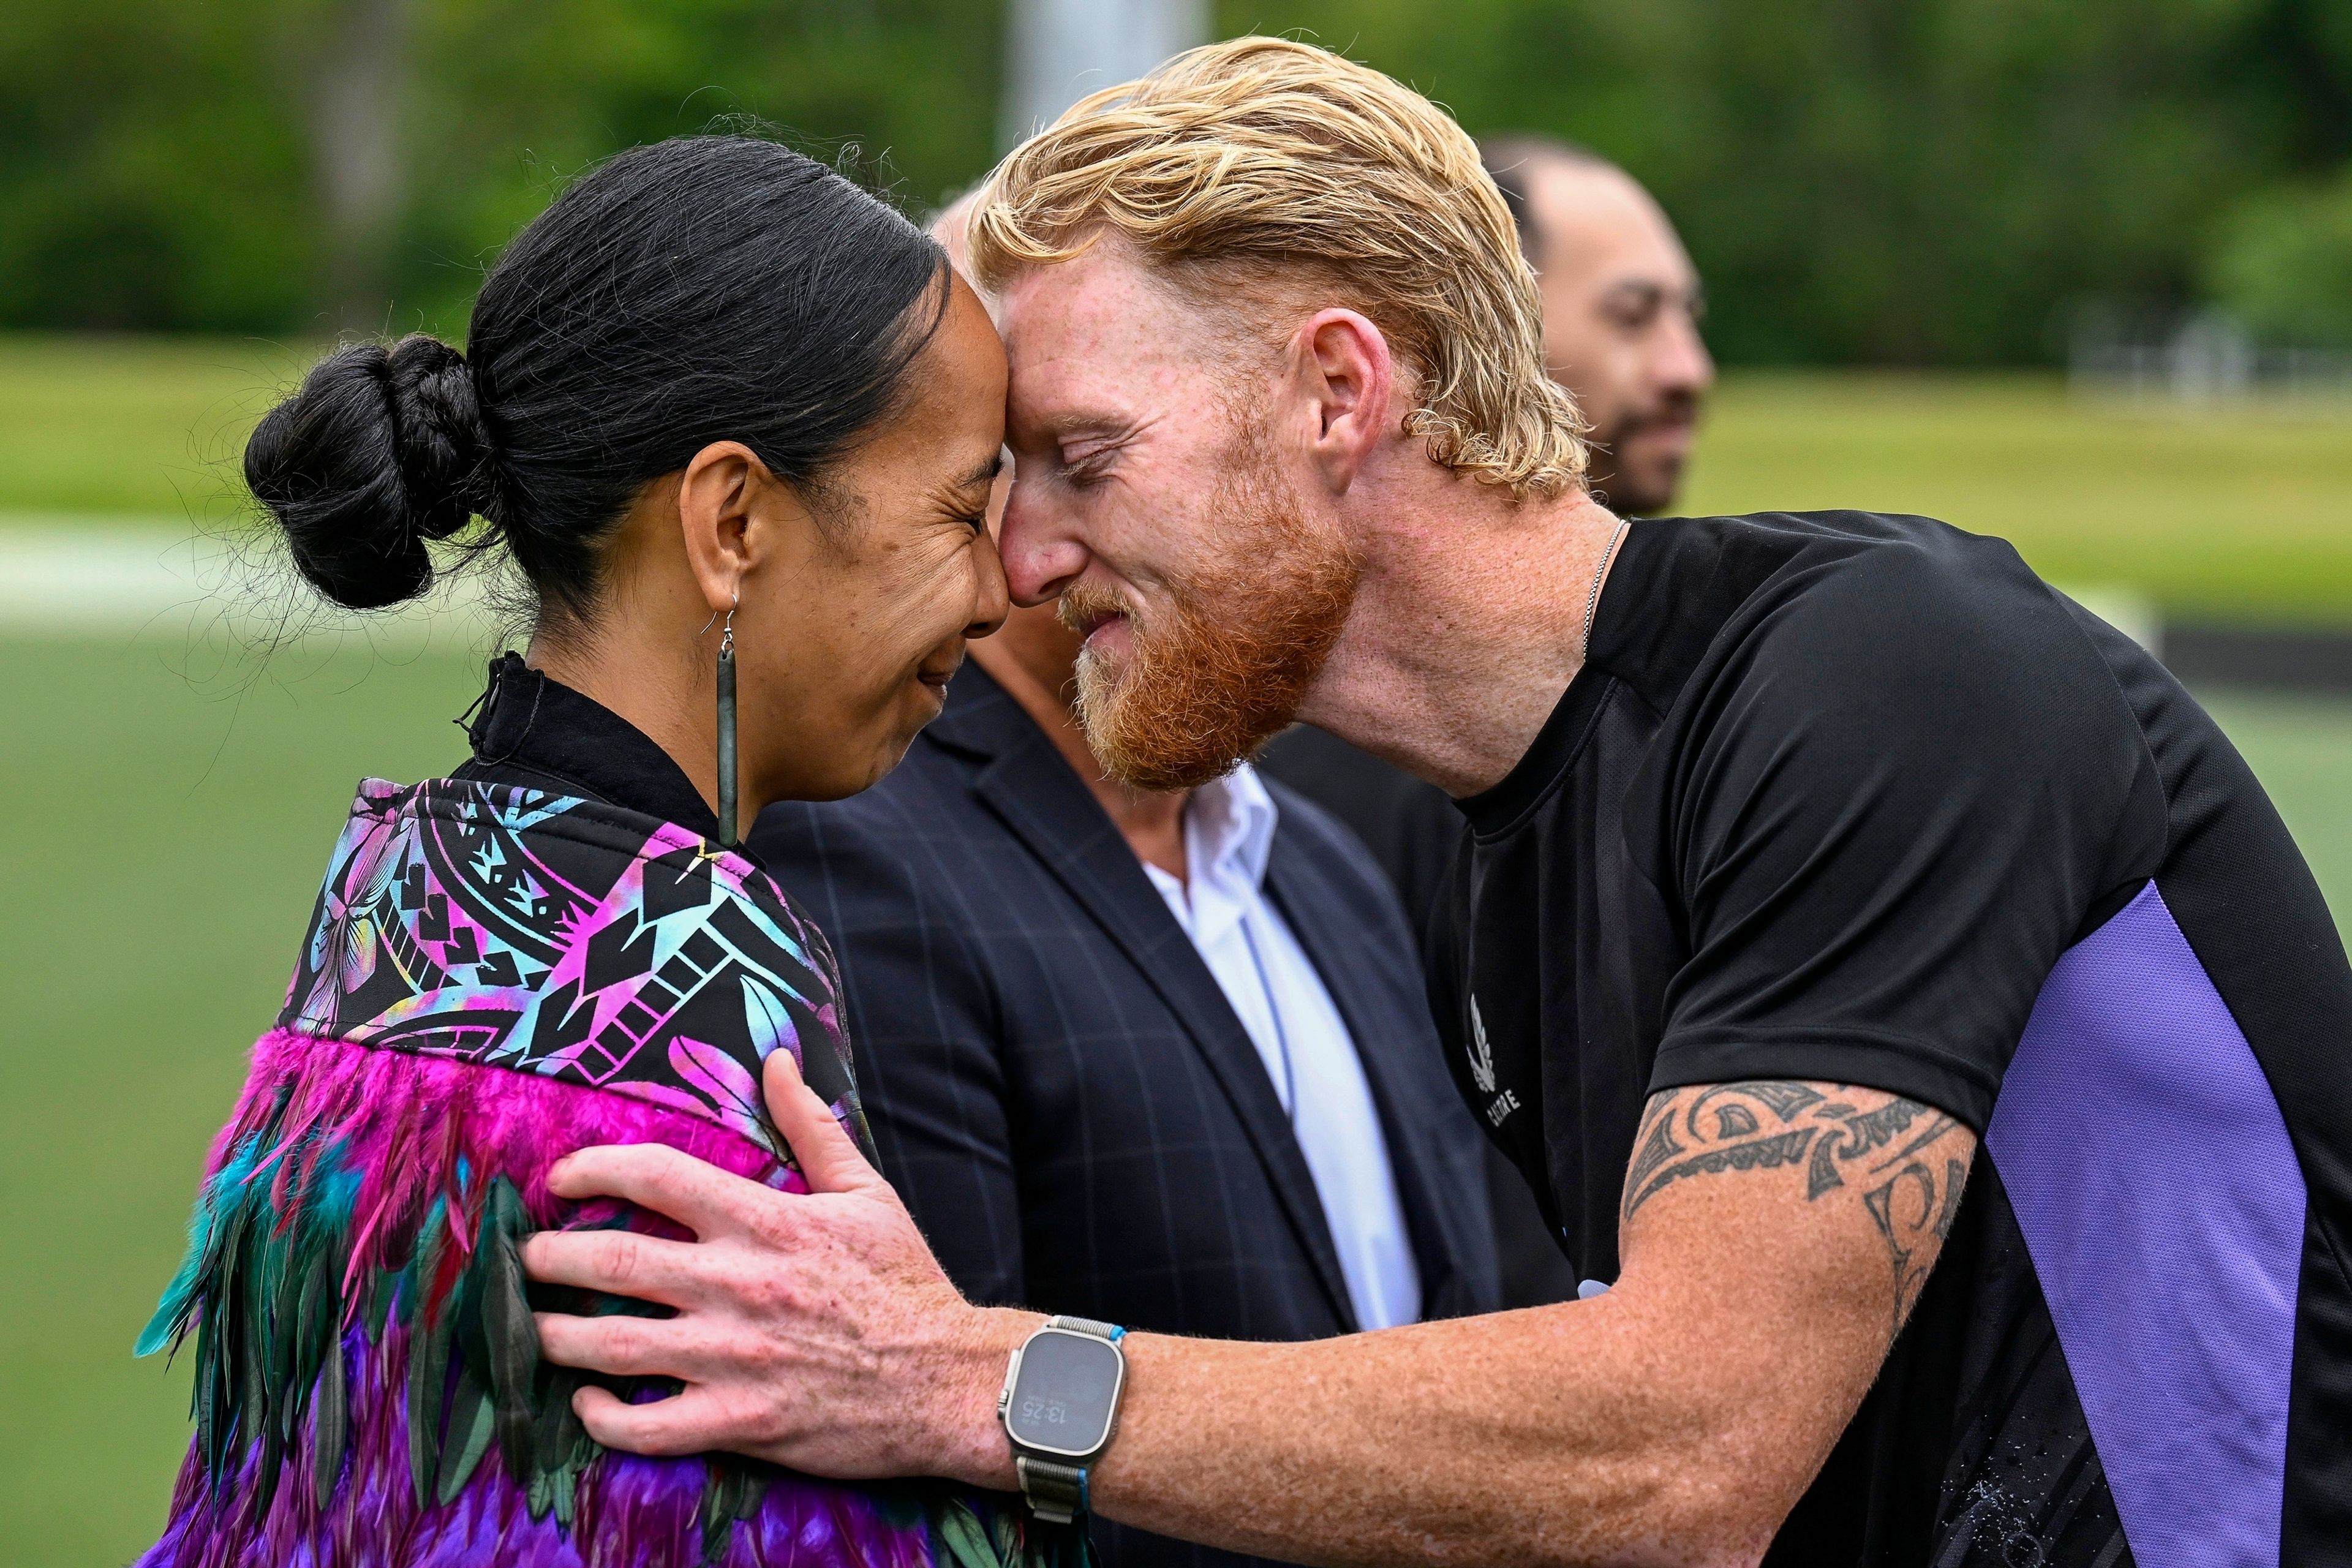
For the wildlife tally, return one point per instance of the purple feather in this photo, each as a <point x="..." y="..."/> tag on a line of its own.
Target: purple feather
<point x="414" y="1131"/>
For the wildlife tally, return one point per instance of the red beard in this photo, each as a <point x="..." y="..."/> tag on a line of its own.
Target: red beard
<point x="1224" y="669"/>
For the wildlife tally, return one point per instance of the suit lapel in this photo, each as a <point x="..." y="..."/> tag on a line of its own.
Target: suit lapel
<point x="1031" y="787"/>
<point x="1306" y="908"/>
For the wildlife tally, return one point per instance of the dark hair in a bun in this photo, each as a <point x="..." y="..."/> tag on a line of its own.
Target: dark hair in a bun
<point x="382" y="451"/>
<point x="707" y="289"/>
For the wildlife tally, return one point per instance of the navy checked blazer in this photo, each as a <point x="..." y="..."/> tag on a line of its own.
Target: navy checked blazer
<point x="1057" y="1086"/>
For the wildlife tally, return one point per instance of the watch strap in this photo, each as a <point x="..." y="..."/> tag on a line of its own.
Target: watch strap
<point x="1100" y="1331"/>
<point x="1056" y="1492"/>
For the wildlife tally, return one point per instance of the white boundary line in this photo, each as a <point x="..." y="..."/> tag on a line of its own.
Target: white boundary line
<point x="63" y="576"/>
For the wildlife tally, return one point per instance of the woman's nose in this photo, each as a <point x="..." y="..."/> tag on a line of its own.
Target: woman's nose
<point x="990" y="605"/>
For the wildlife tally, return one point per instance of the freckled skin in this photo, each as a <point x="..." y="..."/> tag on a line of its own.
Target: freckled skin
<point x="1121" y="430"/>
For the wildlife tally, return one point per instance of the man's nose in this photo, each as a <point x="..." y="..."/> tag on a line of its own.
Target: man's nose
<point x="1680" y="362"/>
<point x="1040" y="544"/>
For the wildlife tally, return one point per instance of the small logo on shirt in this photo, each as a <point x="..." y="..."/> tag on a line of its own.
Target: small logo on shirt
<point x="1482" y="1055"/>
<point x="1482" y="1070"/>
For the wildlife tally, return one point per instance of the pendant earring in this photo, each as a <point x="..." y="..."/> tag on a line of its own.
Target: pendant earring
<point x="727" y="730"/>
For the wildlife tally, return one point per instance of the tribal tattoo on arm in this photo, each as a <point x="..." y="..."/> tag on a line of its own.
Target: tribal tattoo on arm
<point x="1904" y="1161"/>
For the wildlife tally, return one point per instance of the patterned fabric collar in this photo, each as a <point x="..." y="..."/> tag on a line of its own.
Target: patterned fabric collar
<point x="530" y="731"/>
<point x="572" y="939"/>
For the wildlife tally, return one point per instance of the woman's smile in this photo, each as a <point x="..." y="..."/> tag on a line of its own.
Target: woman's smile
<point x="934" y="673"/>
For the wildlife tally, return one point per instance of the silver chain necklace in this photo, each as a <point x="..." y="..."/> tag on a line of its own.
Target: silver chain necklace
<point x="1592" y="600"/>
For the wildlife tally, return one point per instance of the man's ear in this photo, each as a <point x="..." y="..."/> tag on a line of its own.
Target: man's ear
<point x="1341" y="361"/>
<point x="729" y="509"/>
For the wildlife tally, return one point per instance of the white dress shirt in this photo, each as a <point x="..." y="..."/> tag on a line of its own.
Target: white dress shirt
<point x="1304" y="1042"/>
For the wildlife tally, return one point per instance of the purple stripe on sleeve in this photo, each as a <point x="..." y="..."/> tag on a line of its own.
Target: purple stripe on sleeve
<point x="2150" y="1170"/>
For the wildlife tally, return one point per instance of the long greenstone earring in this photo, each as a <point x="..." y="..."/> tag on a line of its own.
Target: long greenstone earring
<point x="727" y="731"/>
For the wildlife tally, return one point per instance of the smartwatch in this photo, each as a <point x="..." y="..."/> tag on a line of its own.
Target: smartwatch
<point x="1060" y="1406"/>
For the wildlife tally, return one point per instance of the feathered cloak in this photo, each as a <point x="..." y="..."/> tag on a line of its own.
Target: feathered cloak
<point x="493" y="978"/>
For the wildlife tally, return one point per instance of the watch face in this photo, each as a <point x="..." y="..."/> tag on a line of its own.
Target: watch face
<point x="1063" y="1398"/>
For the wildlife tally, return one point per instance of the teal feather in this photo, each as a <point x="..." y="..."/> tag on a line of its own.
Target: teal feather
<point x="471" y="1422"/>
<point x="380" y="1289"/>
<point x="510" y="1335"/>
<point x="204" y="1394"/>
<point x="553" y="1436"/>
<point x="320" y="1321"/>
<point x="958" y="1529"/>
<point x="279" y="1289"/>
<point x="331" y="1427"/>
<point x="567" y="1494"/>
<point x="564" y="1448"/>
<point x="227" y="1344"/>
<point x="901" y="1506"/>
<point x="170" y="1323"/>
<point x="428" y="1361"/>
<point x="472" y="1419"/>
<point x="730" y="1492"/>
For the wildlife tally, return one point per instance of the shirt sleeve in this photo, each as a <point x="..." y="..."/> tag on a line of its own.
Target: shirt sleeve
<point x="1903" y="790"/>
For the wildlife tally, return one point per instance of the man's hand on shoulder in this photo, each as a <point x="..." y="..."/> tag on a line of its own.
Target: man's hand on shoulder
<point x="805" y="1323"/>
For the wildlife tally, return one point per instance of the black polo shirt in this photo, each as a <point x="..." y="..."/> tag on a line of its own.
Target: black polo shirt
<point x="1857" y="798"/>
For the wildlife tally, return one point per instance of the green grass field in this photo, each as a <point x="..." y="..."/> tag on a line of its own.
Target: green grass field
<point x="132" y="426"/>
<point x="173" y="816"/>
<point x="174" y="805"/>
<point x="2237" y="514"/>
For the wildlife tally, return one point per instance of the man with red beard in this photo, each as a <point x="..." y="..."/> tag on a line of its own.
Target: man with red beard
<point x="1893" y="987"/>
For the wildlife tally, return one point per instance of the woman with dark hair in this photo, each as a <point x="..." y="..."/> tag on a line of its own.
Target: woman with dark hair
<point x="734" y="421"/>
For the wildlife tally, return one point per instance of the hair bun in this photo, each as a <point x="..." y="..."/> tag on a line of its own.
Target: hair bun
<point x="380" y="452"/>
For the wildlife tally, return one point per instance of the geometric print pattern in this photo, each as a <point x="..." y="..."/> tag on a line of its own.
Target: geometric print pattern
<point x="571" y="938"/>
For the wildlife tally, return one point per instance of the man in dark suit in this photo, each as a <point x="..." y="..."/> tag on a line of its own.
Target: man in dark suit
<point x="1161" y="1059"/>
<point x="1065" y="1091"/>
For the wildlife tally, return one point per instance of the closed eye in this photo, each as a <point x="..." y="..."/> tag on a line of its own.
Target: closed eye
<point x="968" y="503"/>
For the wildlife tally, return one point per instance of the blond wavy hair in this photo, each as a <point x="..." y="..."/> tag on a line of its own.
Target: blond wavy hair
<point x="1261" y="161"/>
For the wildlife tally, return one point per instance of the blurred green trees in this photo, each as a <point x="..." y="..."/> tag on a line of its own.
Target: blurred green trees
<point x="1903" y="182"/>
<point x="2284" y="263"/>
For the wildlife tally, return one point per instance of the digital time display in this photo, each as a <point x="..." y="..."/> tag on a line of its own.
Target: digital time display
<point x="1062" y="1400"/>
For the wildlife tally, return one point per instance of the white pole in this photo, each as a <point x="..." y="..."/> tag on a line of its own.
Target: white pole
<point x="1060" y="50"/>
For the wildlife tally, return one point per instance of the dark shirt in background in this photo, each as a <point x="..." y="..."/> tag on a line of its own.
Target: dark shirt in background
<point x="1416" y="832"/>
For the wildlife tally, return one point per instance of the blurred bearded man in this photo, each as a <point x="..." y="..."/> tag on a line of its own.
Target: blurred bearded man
<point x="1909" y="1012"/>
<point x="1621" y="307"/>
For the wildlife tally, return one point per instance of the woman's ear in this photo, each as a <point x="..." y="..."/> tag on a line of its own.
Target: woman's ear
<point x="728" y="506"/>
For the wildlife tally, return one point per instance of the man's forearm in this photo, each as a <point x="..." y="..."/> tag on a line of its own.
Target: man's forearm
<point x="1775" y="1236"/>
<point x="1675" y="1418"/>
<point x="1531" y="1437"/>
